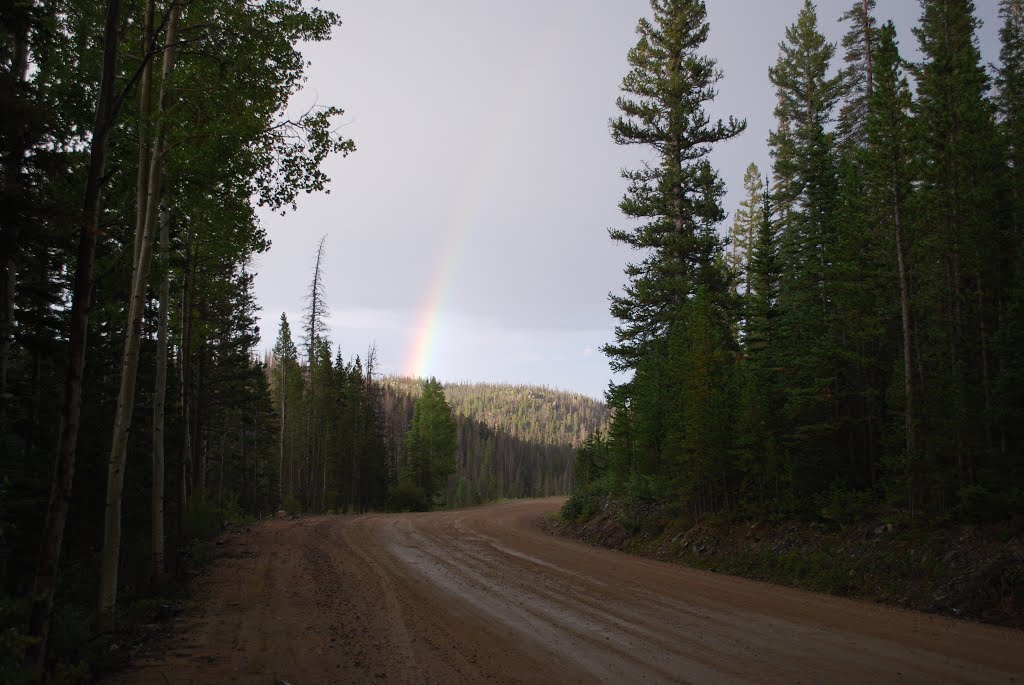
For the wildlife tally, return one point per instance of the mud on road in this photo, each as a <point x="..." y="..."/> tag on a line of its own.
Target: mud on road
<point x="484" y="595"/>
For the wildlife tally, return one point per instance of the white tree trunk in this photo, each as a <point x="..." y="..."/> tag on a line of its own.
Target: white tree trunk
<point x="159" y="396"/>
<point x="130" y="359"/>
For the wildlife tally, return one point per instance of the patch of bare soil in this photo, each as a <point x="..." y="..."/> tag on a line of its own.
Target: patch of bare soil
<point x="485" y="595"/>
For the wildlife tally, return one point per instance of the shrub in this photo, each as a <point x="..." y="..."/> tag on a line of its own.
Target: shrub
<point x="842" y="507"/>
<point x="291" y="504"/>
<point x="201" y="521"/>
<point x="232" y="512"/>
<point x="978" y="504"/>
<point x="407" y="496"/>
<point x="14" y="643"/>
<point x="585" y="500"/>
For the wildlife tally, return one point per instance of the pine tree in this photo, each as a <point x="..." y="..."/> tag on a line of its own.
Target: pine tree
<point x="888" y="160"/>
<point x="744" y="228"/>
<point x="1009" y="389"/>
<point x="431" y="441"/>
<point x="802" y="148"/>
<point x="678" y="197"/>
<point x="759" y="397"/>
<point x="956" y="241"/>
<point x="286" y="386"/>
<point x="861" y="280"/>
<point x="859" y="44"/>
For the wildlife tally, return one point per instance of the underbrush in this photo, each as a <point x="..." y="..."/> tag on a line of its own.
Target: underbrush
<point x="76" y="653"/>
<point x="407" y="496"/>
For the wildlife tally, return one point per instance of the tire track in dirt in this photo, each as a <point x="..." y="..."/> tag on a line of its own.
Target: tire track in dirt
<point x="484" y="595"/>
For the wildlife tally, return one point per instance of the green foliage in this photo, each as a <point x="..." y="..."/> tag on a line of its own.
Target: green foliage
<point x="232" y="143"/>
<point x="14" y="643"/>
<point x="859" y="42"/>
<point x="843" y="507"/>
<point x="585" y="500"/>
<point x="536" y="414"/>
<point x="202" y="520"/>
<point x="232" y="512"/>
<point x="407" y="496"/>
<point x="431" y="442"/>
<point x="746" y="222"/>
<point x="291" y="504"/>
<point x="979" y="504"/>
<point x="72" y="674"/>
<point x="513" y="441"/>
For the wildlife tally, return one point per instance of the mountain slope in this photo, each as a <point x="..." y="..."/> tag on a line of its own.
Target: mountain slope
<point x="514" y="440"/>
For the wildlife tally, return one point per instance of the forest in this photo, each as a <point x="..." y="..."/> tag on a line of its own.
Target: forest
<point x="854" y="343"/>
<point x="138" y="141"/>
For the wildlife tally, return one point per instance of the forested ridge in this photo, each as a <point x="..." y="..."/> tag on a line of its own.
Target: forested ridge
<point x="536" y="413"/>
<point x="513" y="440"/>
<point x="853" y="347"/>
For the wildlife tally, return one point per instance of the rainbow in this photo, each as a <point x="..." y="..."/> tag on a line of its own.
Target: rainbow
<point x="430" y="319"/>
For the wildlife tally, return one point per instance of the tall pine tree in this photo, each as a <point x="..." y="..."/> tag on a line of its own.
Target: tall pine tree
<point x="955" y="212"/>
<point x="803" y="150"/>
<point x="678" y="200"/>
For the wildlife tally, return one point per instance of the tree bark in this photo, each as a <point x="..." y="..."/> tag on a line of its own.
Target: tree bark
<point x="145" y="112"/>
<point x="130" y="360"/>
<point x="908" y="369"/>
<point x="280" y="460"/>
<point x="159" y="404"/>
<point x="63" y="473"/>
<point x="186" y="377"/>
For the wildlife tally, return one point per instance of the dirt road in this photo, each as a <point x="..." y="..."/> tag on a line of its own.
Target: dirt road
<point x="485" y="595"/>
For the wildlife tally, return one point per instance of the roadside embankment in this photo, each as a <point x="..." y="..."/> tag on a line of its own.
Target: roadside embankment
<point x="968" y="571"/>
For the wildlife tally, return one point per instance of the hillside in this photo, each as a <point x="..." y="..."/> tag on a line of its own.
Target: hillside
<point x="536" y="414"/>
<point x="514" y="441"/>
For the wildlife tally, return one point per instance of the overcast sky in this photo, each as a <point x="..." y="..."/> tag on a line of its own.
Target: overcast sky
<point x="467" y="235"/>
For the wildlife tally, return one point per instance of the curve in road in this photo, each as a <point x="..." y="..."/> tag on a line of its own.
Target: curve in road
<point x="484" y="594"/>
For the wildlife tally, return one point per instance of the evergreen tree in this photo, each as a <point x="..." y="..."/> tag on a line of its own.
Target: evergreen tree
<point x="678" y="199"/>
<point x="888" y="161"/>
<point x="957" y="239"/>
<point x="1009" y="389"/>
<point x="431" y="441"/>
<point x="744" y="228"/>
<point x="859" y="44"/>
<point x="758" y="381"/>
<point x="802" y="148"/>
<point x="1010" y="100"/>
<point x="285" y="382"/>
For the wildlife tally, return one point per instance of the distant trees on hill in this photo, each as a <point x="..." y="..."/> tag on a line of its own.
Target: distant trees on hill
<point x="513" y="440"/>
<point x="534" y="413"/>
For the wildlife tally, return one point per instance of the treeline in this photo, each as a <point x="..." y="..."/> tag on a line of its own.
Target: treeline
<point x="857" y="343"/>
<point x="330" y="449"/>
<point x="135" y="143"/>
<point x="492" y="461"/>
